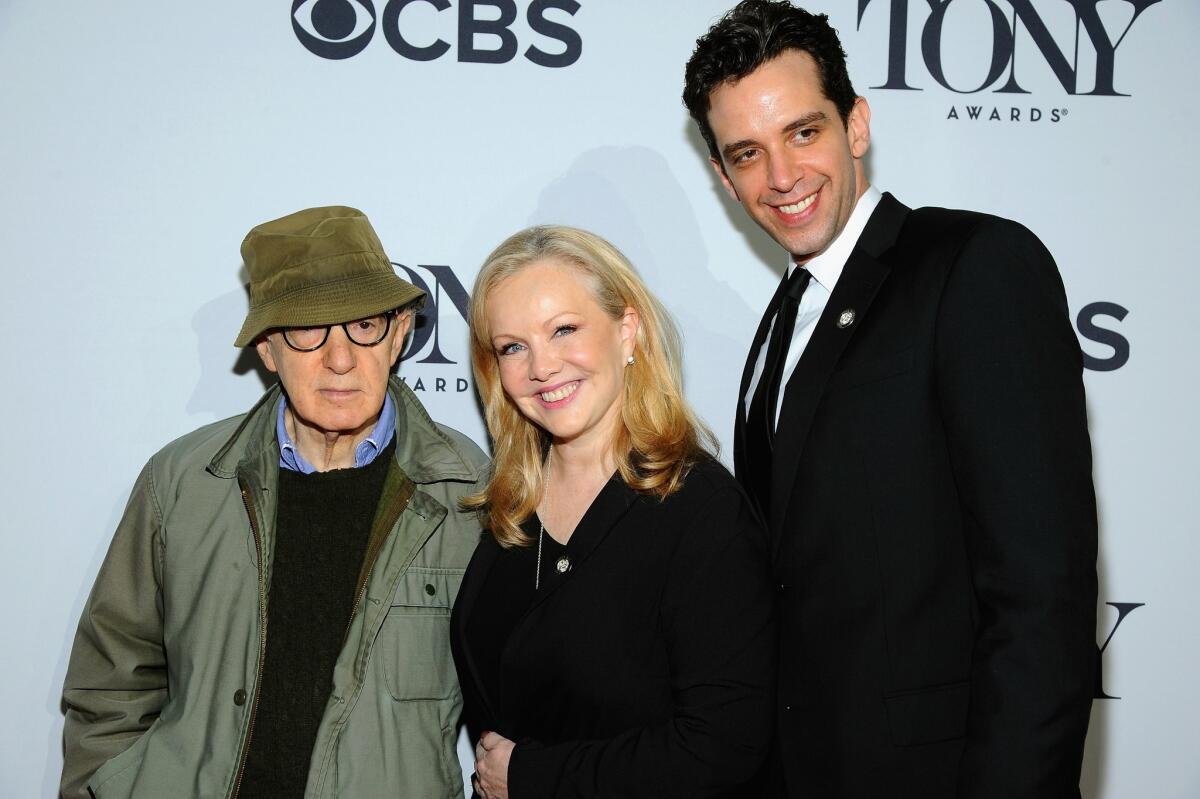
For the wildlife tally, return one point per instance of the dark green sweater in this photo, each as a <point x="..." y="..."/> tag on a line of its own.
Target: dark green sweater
<point x="322" y="527"/>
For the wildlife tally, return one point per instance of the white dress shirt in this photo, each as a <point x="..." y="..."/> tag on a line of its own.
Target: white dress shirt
<point x="826" y="268"/>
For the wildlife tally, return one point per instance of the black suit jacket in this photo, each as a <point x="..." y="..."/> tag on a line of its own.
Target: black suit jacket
<point x="649" y="669"/>
<point x="933" y="521"/>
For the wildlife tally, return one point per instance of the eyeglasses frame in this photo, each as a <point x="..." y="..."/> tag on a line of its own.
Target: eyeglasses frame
<point x="387" y="327"/>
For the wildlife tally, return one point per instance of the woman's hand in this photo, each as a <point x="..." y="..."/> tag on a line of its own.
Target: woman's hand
<point x="491" y="765"/>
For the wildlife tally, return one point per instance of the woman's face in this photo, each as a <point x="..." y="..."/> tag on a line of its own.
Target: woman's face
<point x="562" y="358"/>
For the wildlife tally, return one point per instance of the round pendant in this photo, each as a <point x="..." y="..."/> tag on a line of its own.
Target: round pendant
<point x="563" y="564"/>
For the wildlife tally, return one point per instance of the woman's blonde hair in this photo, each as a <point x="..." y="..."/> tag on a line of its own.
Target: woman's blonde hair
<point x="660" y="436"/>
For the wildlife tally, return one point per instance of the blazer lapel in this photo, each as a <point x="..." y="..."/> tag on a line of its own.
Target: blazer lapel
<point x="739" y="424"/>
<point x="477" y="571"/>
<point x="860" y="280"/>
<point x="606" y="511"/>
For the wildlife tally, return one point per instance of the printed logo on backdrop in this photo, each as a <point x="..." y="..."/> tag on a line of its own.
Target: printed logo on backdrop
<point x="435" y="362"/>
<point x="480" y="29"/>
<point x="1094" y="322"/>
<point x="1123" y="609"/>
<point x="1082" y="57"/>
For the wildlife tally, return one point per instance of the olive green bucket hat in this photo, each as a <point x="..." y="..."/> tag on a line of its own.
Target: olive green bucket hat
<point x="319" y="266"/>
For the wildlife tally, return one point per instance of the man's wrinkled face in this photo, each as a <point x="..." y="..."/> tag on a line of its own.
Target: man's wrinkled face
<point x="786" y="156"/>
<point x="338" y="388"/>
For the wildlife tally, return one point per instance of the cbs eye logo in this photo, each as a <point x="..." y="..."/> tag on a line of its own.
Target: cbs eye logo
<point x="334" y="29"/>
<point x="338" y="29"/>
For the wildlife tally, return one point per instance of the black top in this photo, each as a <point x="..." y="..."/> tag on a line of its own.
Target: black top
<point x="322" y="526"/>
<point x="506" y="596"/>
<point x="647" y="669"/>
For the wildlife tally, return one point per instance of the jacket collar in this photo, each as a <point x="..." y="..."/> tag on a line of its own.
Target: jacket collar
<point x="423" y="450"/>
<point x="865" y="271"/>
<point x="860" y="278"/>
<point x="607" y="510"/>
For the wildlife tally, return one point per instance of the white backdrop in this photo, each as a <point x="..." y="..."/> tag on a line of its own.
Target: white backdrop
<point x="141" y="140"/>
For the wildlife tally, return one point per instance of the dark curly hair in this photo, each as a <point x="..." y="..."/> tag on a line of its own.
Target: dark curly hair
<point x="752" y="33"/>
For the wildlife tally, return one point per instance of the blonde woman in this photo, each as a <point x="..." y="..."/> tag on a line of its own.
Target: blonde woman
<point x="613" y="633"/>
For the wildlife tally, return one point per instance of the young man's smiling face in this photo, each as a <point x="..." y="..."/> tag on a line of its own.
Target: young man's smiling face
<point x="786" y="156"/>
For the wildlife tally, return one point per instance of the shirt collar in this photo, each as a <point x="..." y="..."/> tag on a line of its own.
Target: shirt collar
<point x="827" y="267"/>
<point x="366" y="451"/>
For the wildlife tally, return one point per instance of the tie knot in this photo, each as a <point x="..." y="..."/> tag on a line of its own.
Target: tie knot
<point x="797" y="282"/>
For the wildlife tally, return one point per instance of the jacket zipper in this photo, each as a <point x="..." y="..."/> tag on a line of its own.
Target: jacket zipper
<point x="358" y="598"/>
<point x="373" y="553"/>
<point x="362" y="589"/>
<point x="262" y="636"/>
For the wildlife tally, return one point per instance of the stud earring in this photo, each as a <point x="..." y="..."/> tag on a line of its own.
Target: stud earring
<point x="629" y="361"/>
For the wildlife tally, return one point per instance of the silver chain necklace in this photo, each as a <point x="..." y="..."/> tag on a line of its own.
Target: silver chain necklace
<point x="537" y="575"/>
<point x="563" y="564"/>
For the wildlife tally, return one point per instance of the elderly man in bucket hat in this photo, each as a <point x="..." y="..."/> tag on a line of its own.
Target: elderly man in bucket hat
<point x="271" y="618"/>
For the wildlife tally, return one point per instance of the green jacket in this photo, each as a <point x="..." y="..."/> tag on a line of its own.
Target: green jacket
<point x="162" y="685"/>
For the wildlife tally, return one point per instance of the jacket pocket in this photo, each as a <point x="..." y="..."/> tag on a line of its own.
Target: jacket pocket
<point x="415" y="639"/>
<point x="928" y="715"/>
<point x="875" y="369"/>
<point x="114" y="780"/>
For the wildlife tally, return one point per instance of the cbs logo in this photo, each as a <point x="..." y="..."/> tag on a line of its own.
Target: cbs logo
<point x="338" y="29"/>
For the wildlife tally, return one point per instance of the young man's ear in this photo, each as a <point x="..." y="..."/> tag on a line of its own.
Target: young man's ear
<point x="858" y="127"/>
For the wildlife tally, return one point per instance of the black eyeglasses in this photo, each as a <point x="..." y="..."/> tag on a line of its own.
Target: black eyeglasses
<point x="365" y="332"/>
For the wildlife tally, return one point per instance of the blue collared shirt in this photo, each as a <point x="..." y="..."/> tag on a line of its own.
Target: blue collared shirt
<point x="366" y="451"/>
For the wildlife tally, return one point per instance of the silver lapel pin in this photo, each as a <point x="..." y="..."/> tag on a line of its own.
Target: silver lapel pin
<point x="846" y="318"/>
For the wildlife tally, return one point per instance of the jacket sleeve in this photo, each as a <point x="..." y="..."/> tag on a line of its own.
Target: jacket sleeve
<point x="116" y="681"/>
<point x="718" y="625"/>
<point x="1009" y="380"/>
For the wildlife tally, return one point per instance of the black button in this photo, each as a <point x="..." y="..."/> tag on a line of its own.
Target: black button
<point x="782" y="587"/>
<point x="429" y="589"/>
<point x="239" y="697"/>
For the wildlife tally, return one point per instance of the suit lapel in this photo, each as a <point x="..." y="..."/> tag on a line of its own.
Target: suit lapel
<point x="739" y="425"/>
<point x="860" y="280"/>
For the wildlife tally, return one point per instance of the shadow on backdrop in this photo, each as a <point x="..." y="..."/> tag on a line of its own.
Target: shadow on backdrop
<point x="1094" y="779"/>
<point x="218" y="392"/>
<point x="767" y="252"/>
<point x="605" y="191"/>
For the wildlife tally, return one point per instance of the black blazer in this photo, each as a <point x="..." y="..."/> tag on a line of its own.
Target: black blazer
<point x="648" y="670"/>
<point x="933" y="521"/>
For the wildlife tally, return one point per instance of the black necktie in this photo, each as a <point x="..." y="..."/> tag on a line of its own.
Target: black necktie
<point x="760" y="420"/>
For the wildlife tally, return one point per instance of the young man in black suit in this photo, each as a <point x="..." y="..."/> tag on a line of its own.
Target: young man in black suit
<point x="912" y="424"/>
